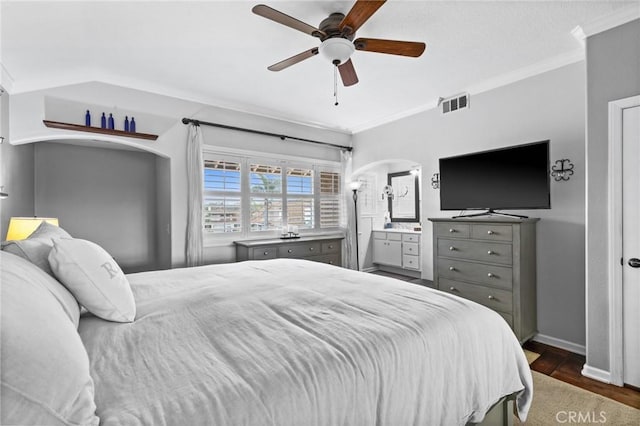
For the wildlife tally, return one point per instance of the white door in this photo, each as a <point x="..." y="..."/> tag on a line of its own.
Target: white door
<point x="631" y="244"/>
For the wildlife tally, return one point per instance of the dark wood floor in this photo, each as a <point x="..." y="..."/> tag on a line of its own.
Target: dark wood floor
<point x="559" y="363"/>
<point x="567" y="366"/>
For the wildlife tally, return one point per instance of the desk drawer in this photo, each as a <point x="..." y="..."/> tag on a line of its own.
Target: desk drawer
<point x="453" y="230"/>
<point x="499" y="300"/>
<point x="492" y="232"/>
<point x="299" y="250"/>
<point x="476" y="250"/>
<point x="260" y="253"/>
<point x="497" y="276"/>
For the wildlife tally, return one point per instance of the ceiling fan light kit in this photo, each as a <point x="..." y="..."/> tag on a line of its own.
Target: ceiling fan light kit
<point x="337" y="50"/>
<point x="336" y="34"/>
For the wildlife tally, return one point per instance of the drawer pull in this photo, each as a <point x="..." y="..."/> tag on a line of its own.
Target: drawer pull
<point x="451" y="268"/>
<point x="491" y="297"/>
<point x="330" y="247"/>
<point x="490" y="232"/>
<point x="453" y="289"/>
<point x="490" y="275"/>
<point x="289" y="251"/>
<point x="452" y="230"/>
<point x="331" y="262"/>
<point x="490" y="252"/>
<point x="452" y="248"/>
<point x="310" y="248"/>
<point x="266" y="253"/>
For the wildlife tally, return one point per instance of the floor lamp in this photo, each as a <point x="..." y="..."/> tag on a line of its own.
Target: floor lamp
<point x="355" y="185"/>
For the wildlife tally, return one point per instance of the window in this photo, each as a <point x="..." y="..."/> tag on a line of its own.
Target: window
<point x="259" y="196"/>
<point x="222" y="200"/>
<point x="329" y="199"/>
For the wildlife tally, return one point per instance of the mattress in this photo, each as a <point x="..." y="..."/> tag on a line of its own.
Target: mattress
<point x="294" y="342"/>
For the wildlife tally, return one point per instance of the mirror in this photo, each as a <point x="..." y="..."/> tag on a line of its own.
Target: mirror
<point x="404" y="203"/>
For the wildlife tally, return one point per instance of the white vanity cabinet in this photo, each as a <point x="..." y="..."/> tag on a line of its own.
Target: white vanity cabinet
<point x="398" y="249"/>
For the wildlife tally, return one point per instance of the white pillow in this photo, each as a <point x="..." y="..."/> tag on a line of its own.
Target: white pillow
<point x="36" y="247"/>
<point x="94" y="278"/>
<point x="45" y="367"/>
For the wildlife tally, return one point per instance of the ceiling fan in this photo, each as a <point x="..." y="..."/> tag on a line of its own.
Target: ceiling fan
<point x="336" y="34"/>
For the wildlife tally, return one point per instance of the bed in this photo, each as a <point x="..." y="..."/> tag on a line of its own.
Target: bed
<point x="273" y="342"/>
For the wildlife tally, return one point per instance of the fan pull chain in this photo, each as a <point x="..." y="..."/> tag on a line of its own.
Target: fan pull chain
<point x="335" y="83"/>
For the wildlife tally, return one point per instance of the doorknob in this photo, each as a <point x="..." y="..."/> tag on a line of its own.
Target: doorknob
<point x="634" y="262"/>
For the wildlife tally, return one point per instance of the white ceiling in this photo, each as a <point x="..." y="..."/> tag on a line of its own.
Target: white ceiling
<point x="217" y="52"/>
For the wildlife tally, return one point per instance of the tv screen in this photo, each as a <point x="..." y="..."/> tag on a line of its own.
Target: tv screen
<point x="516" y="177"/>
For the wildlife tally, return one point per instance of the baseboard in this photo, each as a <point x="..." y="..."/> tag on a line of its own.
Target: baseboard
<point x="370" y="269"/>
<point x="562" y="344"/>
<point x="596" y="374"/>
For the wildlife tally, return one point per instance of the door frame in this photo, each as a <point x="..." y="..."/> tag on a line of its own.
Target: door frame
<point x="616" y="349"/>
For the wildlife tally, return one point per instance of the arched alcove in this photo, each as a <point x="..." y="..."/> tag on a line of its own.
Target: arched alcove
<point x="373" y="203"/>
<point x="111" y="192"/>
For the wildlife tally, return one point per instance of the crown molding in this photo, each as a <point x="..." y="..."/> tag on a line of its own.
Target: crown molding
<point x="611" y="20"/>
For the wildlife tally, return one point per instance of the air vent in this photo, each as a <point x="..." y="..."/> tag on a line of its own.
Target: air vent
<point x="455" y="103"/>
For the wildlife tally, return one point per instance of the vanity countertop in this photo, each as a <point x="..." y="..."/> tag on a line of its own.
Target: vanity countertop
<point x="404" y="231"/>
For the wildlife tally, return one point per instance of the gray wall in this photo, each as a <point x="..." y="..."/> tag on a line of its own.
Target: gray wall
<point x="103" y="195"/>
<point x="16" y="173"/>
<point x="547" y="106"/>
<point x="613" y="72"/>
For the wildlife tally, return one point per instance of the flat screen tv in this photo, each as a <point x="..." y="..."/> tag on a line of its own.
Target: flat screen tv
<point x="512" y="178"/>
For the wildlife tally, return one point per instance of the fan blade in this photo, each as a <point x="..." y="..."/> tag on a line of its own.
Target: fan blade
<point x="348" y="73"/>
<point x="360" y="13"/>
<point x="392" y="47"/>
<point x="293" y="60"/>
<point x="281" y="18"/>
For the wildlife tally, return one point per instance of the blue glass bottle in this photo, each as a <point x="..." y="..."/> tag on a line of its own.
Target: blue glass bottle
<point x="112" y="124"/>
<point x="103" y="121"/>
<point x="132" y="125"/>
<point x="126" y="123"/>
<point x="87" y="119"/>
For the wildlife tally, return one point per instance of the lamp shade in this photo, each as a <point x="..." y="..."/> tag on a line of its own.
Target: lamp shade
<point x="21" y="227"/>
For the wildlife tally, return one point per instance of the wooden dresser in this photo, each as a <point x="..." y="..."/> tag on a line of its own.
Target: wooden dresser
<point x="491" y="261"/>
<point x="325" y="249"/>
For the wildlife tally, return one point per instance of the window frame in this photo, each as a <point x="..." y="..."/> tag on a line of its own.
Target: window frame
<point x="245" y="159"/>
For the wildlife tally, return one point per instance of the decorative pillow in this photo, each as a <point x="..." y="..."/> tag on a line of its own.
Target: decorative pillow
<point x="37" y="246"/>
<point x="94" y="278"/>
<point x="45" y="367"/>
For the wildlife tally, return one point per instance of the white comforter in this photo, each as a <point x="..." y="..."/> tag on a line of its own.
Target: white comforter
<point x="293" y="342"/>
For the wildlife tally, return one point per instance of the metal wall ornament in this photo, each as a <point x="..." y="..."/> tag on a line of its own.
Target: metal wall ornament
<point x="562" y="170"/>
<point x="435" y="181"/>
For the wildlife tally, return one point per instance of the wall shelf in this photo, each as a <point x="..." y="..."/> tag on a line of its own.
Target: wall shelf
<point x="80" y="128"/>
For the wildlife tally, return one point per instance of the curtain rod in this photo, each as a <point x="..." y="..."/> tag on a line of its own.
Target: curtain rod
<point x="260" y="132"/>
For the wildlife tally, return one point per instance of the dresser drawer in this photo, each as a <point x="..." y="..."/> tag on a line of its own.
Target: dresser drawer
<point x="410" y="261"/>
<point x="476" y="250"/>
<point x="508" y="318"/>
<point x="411" y="238"/>
<point x="498" y="276"/>
<point x="492" y="232"/>
<point x="453" y="230"/>
<point x="299" y="250"/>
<point x="411" y="248"/>
<point x="499" y="300"/>
<point x="261" y="253"/>
<point x="331" y="259"/>
<point x="331" y="247"/>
